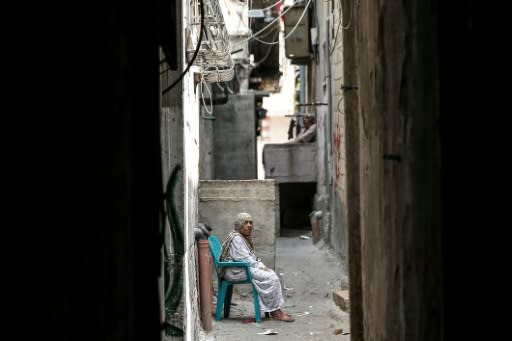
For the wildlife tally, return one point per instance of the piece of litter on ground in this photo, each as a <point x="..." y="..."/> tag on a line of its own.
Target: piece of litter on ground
<point x="345" y="333"/>
<point x="304" y="237"/>
<point x="311" y="333"/>
<point x="304" y="313"/>
<point x="268" y="332"/>
<point x="281" y="274"/>
<point x="338" y="331"/>
<point x="285" y="288"/>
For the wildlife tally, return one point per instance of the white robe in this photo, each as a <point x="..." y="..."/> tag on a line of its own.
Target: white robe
<point x="266" y="282"/>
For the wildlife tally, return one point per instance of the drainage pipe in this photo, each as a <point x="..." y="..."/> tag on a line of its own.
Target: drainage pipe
<point x="330" y="167"/>
<point x="205" y="283"/>
<point x="315" y="217"/>
<point x="205" y="275"/>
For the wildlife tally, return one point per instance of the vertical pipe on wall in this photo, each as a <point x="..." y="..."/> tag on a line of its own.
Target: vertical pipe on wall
<point x="329" y="129"/>
<point x="329" y="105"/>
<point x="205" y="283"/>
<point x="302" y="94"/>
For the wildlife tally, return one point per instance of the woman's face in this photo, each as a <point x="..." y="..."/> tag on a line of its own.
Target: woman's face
<point x="307" y="122"/>
<point x="246" y="229"/>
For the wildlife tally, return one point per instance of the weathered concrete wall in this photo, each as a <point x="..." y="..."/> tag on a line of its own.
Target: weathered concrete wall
<point x="339" y="148"/>
<point x="172" y="156"/>
<point x="349" y="143"/>
<point x="235" y="139"/>
<point x="400" y="181"/>
<point x="180" y="147"/>
<point x="191" y="186"/>
<point x="206" y="148"/>
<point x="338" y="182"/>
<point x="334" y="55"/>
<point x="385" y="162"/>
<point x="323" y="192"/>
<point x="220" y="201"/>
<point x="290" y="162"/>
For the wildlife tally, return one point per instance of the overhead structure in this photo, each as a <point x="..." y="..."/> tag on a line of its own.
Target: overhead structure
<point x="214" y="56"/>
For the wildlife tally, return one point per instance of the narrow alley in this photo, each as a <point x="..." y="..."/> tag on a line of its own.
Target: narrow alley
<point x="309" y="274"/>
<point x="130" y="124"/>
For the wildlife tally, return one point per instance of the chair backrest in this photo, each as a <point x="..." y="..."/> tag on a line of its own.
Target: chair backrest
<point x="215" y="248"/>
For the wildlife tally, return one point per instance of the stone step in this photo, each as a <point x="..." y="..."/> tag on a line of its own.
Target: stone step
<point x="341" y="298"/>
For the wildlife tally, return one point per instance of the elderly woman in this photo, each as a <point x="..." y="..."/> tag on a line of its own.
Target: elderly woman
<point x="308" y="133"/>
<point x="238" y="246"/>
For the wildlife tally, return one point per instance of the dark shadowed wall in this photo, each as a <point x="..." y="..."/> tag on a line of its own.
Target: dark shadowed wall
<point x="84" y="172"/>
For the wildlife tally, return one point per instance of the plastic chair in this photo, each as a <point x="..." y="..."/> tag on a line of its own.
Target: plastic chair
<point x="225" y="289"/>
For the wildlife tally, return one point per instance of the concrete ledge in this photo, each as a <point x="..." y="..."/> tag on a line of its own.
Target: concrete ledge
<point x="294" y="162"/>
<point x="341" y="299"/>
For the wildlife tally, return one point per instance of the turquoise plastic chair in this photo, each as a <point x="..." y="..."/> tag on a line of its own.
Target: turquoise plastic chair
<point x="225" y="289"/>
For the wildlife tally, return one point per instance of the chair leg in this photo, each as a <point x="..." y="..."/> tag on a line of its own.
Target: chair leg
<point x="256" y="304"/>
<point x="227" y="301"/>
<point x="221" y="295"/>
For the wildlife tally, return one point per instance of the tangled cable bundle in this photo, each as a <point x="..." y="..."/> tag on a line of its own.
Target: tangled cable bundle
<point x="214" y="56"/>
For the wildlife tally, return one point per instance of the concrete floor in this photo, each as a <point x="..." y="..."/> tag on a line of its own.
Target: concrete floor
<point x="310" y="273"/>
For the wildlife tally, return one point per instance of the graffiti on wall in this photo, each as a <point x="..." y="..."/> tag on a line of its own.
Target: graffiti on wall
<point x="338" y="154"/>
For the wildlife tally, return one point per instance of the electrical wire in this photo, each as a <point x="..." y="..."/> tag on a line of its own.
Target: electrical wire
<point x="274" y="20"/>
<point x="343" y="27"/>
<point x="256" y="9"/>
<point x="269" y="7"/>
<point x="258" y="63"/>
<point x="203" y="84"/>
<point x="167" y="89"/>
<point x="289" y="33"/>
<point x="273" y="38"/>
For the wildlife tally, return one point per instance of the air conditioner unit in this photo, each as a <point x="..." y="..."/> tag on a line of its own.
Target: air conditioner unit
<point x="297" y="45"/>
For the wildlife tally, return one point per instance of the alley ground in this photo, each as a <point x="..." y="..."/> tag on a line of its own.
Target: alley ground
<point x="310" y="273"/>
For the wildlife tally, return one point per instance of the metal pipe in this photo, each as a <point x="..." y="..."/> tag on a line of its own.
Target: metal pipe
<point x="310" y="104"/>
<point x="302" y="96"/>
<point x="314" y="217"/>
<point x="330" y="166"/>
<point x="329" y="107"/>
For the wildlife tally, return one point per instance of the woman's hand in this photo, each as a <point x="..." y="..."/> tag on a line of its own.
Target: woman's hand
<point x="262" y="266"/>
